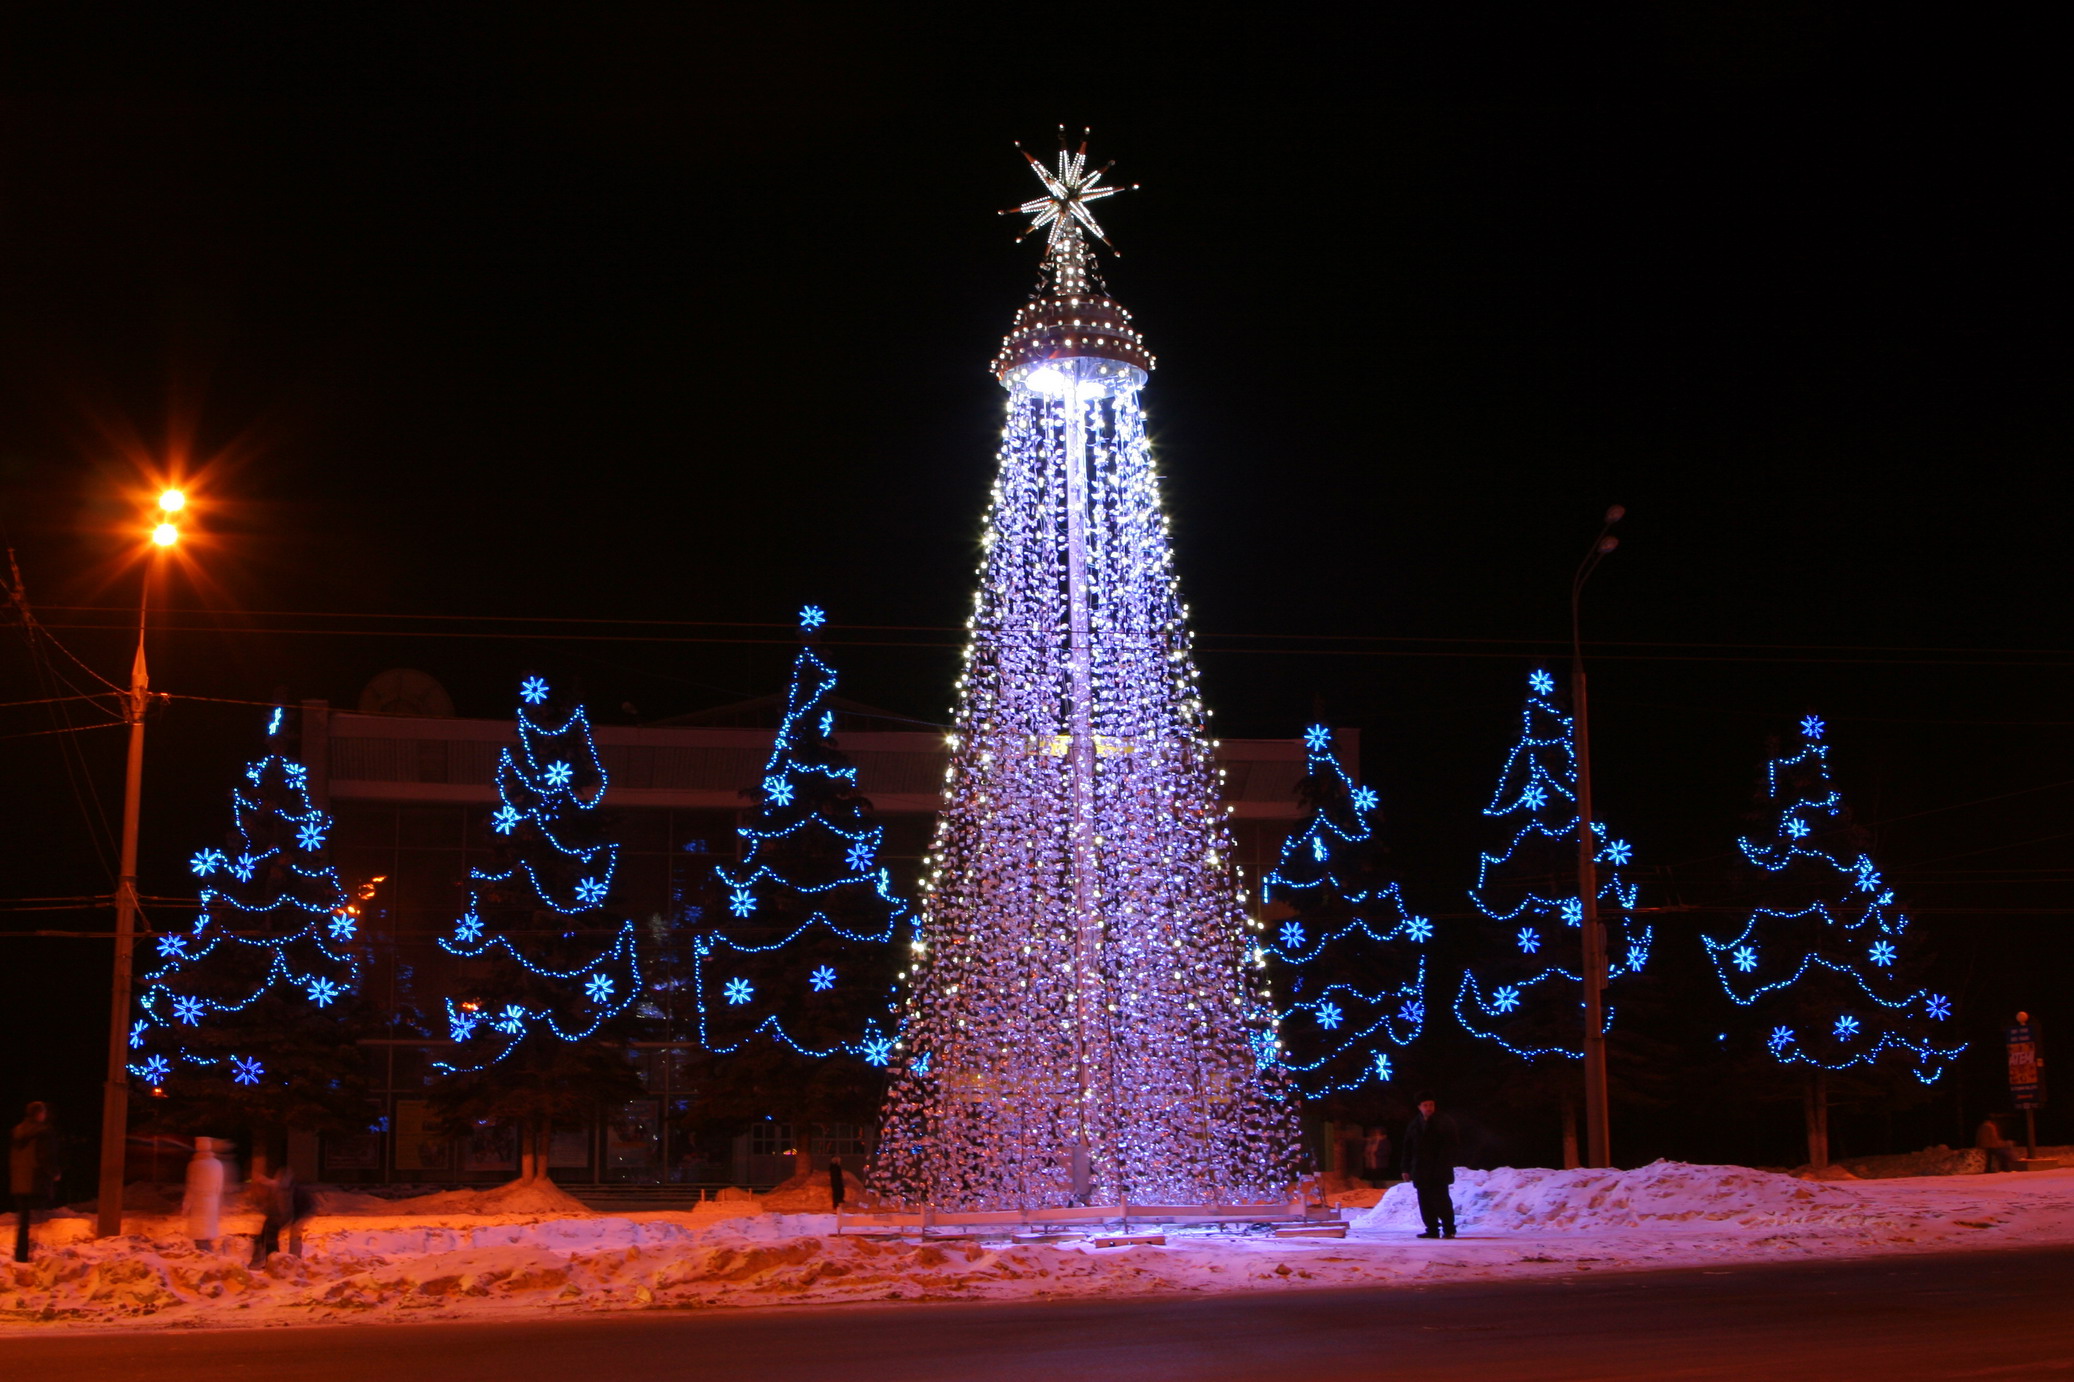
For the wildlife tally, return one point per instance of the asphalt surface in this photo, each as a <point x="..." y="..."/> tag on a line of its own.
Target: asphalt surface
<point x="1979" y="1314"/>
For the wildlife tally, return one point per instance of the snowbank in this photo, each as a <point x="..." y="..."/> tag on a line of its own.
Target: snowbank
<point x="480" y="1254"/>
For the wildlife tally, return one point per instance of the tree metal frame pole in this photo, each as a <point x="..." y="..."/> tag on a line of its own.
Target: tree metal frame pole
<point x="115" y="1092"/>
<point x="1597" y="1125"/>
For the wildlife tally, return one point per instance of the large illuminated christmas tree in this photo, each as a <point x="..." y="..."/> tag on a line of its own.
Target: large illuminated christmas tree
<point x="545" y="964"/>
<point x="1083" y="1022"/>
<point x="1825" y="967"/>
<point x="801" y="967"/>
<point x="1525" y="988"/>
<point x="1347" y="960"/>
<point x="251" y="1013"/>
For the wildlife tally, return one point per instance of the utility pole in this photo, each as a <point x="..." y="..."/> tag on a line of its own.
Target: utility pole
<point x="1598" y="1128"/>
<point x="115" y="1092"/>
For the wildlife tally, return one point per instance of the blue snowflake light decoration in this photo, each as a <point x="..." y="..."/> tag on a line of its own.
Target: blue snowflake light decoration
<point x="739" y="990"/>
<point x="878" y="1050"/>
<point x="778" y="790"/>
<point x="188" y="1009"/>
<point x="1811" y="726"/>
<point x="1540" y="682"/>
<point x="1505" y="999"/>
<point x="207" y="861"/>
<point x="1745" y="958"/>
<point x="1882" y="952"/>
<point x="1292" y="935"/>
<point x="246" y="1069"/>
<point x="858" y="856"/>
<point x="533" y="690"/>
<point x="342" y="927"/>
<point x="558" y="774"/>
<point x="1846" y="1027"/>
<point x="1529" y="939"/>
<point x="1329" y="1016"/>
<point x="590" y="891"/>
<point x="1617" y="852"/>
<point x="322" y="991"/>
<point x="1937" y="1006"/>
<point x="822" y="979"/>
<point x="1365" y="799"/>
<point x="171" y="945"/>
<point x="311" y="835"/>
<point x="505" y="819"/>
<point x="812" y="617"/>
<point x="598" y="987"/>
<point x="742" y="903"/>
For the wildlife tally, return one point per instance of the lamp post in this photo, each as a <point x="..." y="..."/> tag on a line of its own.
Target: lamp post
<point x="115" y="1092"/>
<point x="1598" y="1131"/>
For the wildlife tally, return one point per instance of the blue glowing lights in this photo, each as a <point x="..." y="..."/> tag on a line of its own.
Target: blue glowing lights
<point x="1825" y="944"/>
<point x="1523" y="988"/>
<point x="551" y="858"/>
<point x="739" y="990"/>
<point x="812" y="617"/>
<point x="246" y="1070"/>
<point x="1347" y="968"/>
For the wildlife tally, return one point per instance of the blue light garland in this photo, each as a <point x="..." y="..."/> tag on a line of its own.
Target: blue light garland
<point x="1525" y="990"/>
<point x="785" y="969"/>
<point x="288" y="918"/>
<point x="1827" y="974"/>
<point x="549" y="784"/>
<point x="1347" y="972"/>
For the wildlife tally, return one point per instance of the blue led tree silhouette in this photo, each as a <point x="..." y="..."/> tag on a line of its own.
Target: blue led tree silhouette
<point x="1346" y="961"/>
<point x="1824" y="967"/>
<point x="1525" y="989"/>
<point x="546" y="965"/>
<point x="251" y="1013"/>
<point x="795" y="982"/>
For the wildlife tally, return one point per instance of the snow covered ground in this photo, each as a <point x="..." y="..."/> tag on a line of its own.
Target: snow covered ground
<point x="524" y="1249"/>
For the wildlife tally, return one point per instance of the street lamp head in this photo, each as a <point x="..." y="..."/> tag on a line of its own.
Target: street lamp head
<point x="165" y="535"/>
<point x="1607" y="544"/>
<point x="1615" y="514"/>
<point x="172" y="501"/>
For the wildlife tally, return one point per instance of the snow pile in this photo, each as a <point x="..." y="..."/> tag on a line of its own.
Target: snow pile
<point x="486" y="1254"/>
<point x="517" y="1197"/>
<point x="1664" y="1194"/>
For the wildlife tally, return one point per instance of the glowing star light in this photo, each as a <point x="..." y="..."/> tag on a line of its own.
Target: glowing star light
<point x="1063" y="207"/>
<point x="468" y="929"/>
<point x="1812" y="727"/>
<point x="1617" y="852"/>
<point x="590" y="891"/>
<point x="822" y="979"/>
<point x="878" y="1050"/>
<point x="1365" y="799"/>
<point x="1382" y="1066"/>
<point x="1541" y="682"/>
<point x="1796" y="828"/>
<point x="187" y="1009"/>
<point x="1846" y="1027"/>
<point x="1292" y="935"/>
<point x="742" y="903"/>
<point x="1329" y="1016"/>
<point x="812" y="617"/>
<point x="858" y="857"/>
<point x="1529" y="939"/>
<point x="505" y="819"/>
<point x="1505" y="999"/>
<point x="1745" y="958"/>
<point x="322" y="991"/>
<point x="599" y="987"/>
<point x="171" y="945"/>
<point x="310" y="835"/>
<point x="342" y="927"/>
<point x="533" y="690"/>
<point x="558" y="774"/>
<point x="1882" y="952"/>
<point x="778" y="790"/>
<point x="739" y="991"/>
<point x="1937" y="1006"/>
<point x="247" y="1069"/>
<point x="1317" y="738"/>
<point x="207" y="862"/>
<point x="1534" y="797"/>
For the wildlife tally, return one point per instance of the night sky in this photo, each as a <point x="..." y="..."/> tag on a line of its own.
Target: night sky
<point x="682" y="314"/>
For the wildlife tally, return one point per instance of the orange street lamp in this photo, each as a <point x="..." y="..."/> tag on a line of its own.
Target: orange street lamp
<point x="115" y="1092"/>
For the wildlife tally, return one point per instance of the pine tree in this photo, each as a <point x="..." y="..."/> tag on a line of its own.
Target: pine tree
<point x="250" y="1016"/>
<point x="1824" y="967"/>
<point x="1525" y="989"/>
<point x="1346" y="960"/>
<point x="796" y="983"/>
<point x="547" y="966"/>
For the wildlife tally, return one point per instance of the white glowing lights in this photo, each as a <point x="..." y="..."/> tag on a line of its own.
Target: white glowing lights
<point x="1084" y="997"/>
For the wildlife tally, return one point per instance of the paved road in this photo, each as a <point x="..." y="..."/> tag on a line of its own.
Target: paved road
<point x="1990" y="1315"/>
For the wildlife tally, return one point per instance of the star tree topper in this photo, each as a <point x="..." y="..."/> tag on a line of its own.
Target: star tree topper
<point x="1063" y="207"/>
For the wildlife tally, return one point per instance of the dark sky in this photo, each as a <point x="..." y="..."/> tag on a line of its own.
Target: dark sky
<point x="682" y="313"/>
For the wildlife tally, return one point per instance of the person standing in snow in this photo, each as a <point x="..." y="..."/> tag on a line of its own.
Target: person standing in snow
<point x="32" y="1170"/>
<point x="1431" y="1145"/>
<point x="835" y="1183"/>
<point x="204" y="1202"/>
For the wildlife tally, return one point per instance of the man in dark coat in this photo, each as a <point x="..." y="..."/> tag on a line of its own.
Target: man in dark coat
<point x="835" y="1182"/>
<point x="1431" y="1145"/>
<point x="32" y="1169"/>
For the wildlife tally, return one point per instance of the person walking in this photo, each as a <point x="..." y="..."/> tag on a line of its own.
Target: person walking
<point x="835" y="1183"/>
<point x="32" y="1170"/>
<point x="1431" y="1146"/>
<point x="204" y="1201"/>
<point x="287" y="1204"/>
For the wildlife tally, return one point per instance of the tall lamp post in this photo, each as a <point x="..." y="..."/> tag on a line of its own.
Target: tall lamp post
<point x="1598" y="1130"/>
<point x="115" y="1093"/>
